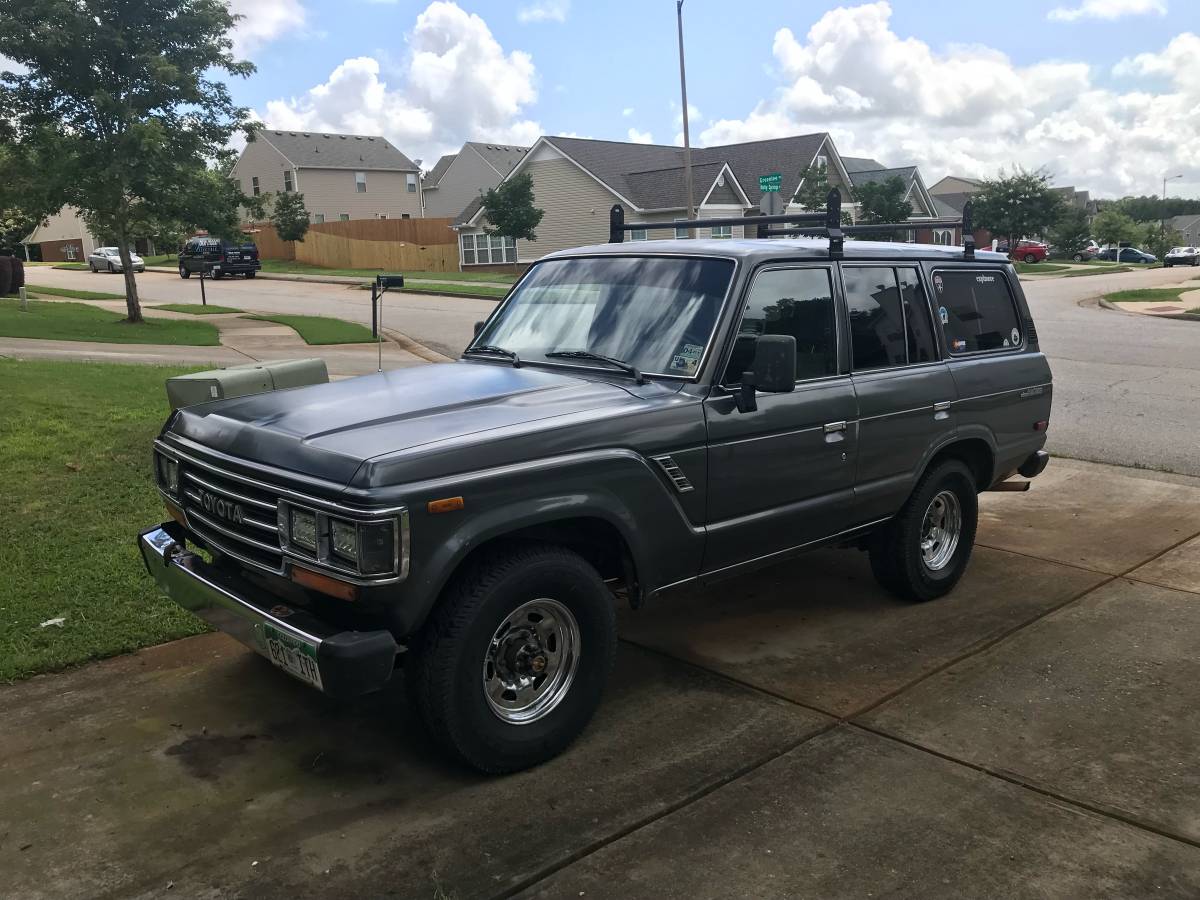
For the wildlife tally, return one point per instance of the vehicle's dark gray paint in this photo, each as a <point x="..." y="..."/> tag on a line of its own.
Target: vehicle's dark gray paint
<point x="531" y="446"/>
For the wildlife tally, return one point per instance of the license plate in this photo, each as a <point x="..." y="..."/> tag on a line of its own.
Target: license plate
<point x="295" y="657"/>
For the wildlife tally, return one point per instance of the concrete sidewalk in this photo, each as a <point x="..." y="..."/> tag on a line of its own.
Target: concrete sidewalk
<point x="798" y="733"/>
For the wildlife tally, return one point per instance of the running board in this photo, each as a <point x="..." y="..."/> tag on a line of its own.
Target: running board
<point x="1011" y="486"/>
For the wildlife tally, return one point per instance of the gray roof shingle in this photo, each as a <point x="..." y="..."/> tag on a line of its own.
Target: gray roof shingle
<point x="501" y="157"/>
<point x="955" y="202"/>
<point x="871" y="176"/>
<point x="854" y="164"/>
<point x="438" y="170"/>
<point x="316" y="150"/>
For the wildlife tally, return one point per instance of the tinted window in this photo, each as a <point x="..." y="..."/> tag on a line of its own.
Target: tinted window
<point x="976" y="310"/>
<point x="922" y="347"/>
<point x="798" y="302"/>
<point x="876" y="318"/>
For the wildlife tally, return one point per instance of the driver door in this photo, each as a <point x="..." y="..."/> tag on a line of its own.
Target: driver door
<point x="782" y="476"/>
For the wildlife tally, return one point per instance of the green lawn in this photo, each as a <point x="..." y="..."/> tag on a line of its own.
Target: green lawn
<point x="74" y="266"/>
<point x="1147" y="295"/>
<point x="197" y="309"/>
<point x="1107" y="270"/>
<point x="298" y="268"/>
<point x="322" y="330"/>
<point x="75" y="444"/>
<point x="163" y="259"/>
<point x="1041" y="268"/>
<point x="73" y="294"/>
<point x="61" y="321"/>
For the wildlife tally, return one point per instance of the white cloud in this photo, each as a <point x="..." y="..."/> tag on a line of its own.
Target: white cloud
<point x="1106" y="9"/>
<point x="895" y="98"/>
<point x="627" y="111"/>
<point x="544" y="11"/>
<point x="263" y="21"/>
<point x="8" y="65"/>
<point x="640" y="137"/>
<point x="438" y="101"/>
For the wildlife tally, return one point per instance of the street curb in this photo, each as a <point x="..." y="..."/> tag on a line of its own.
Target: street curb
<point x="415" y="347"/>
<point x="1179" y="317"/>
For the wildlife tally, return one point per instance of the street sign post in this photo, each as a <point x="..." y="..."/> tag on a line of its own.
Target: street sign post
<point x="771" y="204"/>
<point x="770" y="183"/>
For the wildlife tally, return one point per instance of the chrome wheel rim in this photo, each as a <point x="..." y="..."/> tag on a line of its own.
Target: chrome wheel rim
<point x="940" y="530"/>
<point x="531" y="660"/>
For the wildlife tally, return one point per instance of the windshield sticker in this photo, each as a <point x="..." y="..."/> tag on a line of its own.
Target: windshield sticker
<point x="958" y="346"/>
<point x="687" y="360"/>
<point x="1016" y="337"/>
<point x="937" y="283"/>
<point x="943" y="315"/>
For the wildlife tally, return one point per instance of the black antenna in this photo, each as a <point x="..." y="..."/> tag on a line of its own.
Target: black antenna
<point x="968" y="232"/>
<point x="833" y="222"/>
<point x="616" y="224"/>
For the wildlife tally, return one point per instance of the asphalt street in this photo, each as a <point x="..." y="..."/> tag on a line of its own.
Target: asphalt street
<point x="1127" y="387"/>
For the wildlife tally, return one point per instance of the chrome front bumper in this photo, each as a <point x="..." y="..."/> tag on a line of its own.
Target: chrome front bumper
<point x="347" y="663"/>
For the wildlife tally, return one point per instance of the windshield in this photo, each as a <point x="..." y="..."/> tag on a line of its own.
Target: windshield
<point x="655" y="313"/>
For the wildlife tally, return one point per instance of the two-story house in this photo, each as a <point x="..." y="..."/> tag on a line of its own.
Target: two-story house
<point x="342" y="176"/>
<point x="458" y="178"/>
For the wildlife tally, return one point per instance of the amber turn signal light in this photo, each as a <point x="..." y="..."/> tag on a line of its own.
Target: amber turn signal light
<point x="323" y="583"/>
<point x="445" y="505"/>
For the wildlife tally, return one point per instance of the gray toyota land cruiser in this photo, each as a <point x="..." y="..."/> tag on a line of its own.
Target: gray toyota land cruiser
<point x="634" y="418"/>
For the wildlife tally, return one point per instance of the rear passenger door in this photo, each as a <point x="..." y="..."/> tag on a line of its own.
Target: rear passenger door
<point x="905" y="390"/>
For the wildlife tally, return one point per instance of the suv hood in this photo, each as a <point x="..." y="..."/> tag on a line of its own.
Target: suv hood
<point x="327" y="431"/>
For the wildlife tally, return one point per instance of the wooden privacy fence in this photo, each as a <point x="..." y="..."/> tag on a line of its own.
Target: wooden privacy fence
<point x="415" y="244"/>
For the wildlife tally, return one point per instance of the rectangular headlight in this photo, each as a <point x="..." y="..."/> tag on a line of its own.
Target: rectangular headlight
<point x="343" y="540"/>
<point x="377" y="547"/>
<point x="168" y="473"/>
<point x="302" y="529"/>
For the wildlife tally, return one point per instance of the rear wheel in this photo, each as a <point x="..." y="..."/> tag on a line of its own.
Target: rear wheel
<point x="217" y="275"/>
<point x="183" y="272"/>
<point x="923" y="552"/>
<point x="251" y="274"/>
<point x="511" y="665"/>
<point x="1078" y="257"/>
<point x="1030" y="258"/>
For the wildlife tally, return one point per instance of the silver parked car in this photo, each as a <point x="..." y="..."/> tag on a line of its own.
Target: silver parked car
<point x="109" y="260"/>
<point x="1182" y="256"/>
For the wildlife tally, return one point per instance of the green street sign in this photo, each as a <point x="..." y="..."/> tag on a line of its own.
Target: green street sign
<point x="770" y="183"/>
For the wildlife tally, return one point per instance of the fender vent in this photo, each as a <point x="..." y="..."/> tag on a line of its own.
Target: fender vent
<point x="1030" y="332"/>
<point x="672" y="470"/>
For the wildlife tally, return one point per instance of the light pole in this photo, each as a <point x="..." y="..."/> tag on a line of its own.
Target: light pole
<point x="687" y="143"/>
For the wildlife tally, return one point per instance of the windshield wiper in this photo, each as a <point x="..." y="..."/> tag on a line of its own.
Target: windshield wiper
<point x="492" y="348"/>
<point x="588" y="354"/>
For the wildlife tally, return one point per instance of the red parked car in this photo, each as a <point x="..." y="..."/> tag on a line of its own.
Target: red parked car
<point x="1030" y="251"/>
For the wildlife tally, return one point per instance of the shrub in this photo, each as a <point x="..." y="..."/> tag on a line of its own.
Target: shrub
<point x="6" y="271"/>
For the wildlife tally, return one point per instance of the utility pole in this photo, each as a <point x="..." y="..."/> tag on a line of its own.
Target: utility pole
<point x="687" y="143"/>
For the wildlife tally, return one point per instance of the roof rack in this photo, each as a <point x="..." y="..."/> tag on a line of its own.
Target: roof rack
<point x="827" y="224"/>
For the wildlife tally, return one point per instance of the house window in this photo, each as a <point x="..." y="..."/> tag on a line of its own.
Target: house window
<point x="822" y="162"/>
<point x="288" y="187"/>
<point x="405" y="216"/>
<point x="637" y="234"/>
<point x="319" y="218"/>
<point x="344" y="217"/>
<point x="680" y="233"/>
<point x="412" y="183"/>
<point x="942" y="236"/>
<point x="383" y="215"/>
<point x="484" y="249"/>
<point x="722" y="231"/>
<point x="254" y="185"/>
<point x="360" y="182"/>
<point x="70" y="251"/>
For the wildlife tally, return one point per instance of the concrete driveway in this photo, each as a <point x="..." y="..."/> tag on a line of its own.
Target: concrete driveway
<point x="794" y="734"/>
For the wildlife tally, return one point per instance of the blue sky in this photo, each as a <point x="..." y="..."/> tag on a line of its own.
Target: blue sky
<point x="962" y="87"/>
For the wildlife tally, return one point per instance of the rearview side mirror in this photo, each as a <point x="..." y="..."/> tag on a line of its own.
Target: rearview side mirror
<point x="774" y="370"/>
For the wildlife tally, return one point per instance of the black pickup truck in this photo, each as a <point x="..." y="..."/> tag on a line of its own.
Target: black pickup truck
<point x="634" y="418"/>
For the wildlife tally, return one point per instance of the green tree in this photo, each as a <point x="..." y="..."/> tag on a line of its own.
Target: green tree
<point x="1071" y="232"/>
<point x="1114" y="227"/>
<point x="883" y="201"/>
<point x="814" y="188"/>
<point x="1158" y="240"/>
<point x="120" y="100"/>
<point x="24" y="204"/>
<point x="289" y="216"/>
<point x="1017" y="206"/>
<point x="510" y="210"/>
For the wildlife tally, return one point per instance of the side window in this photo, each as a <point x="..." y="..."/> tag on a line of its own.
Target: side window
<point x="798" y="302"/>
<point x="976" y="309"/>
<point x="922" y="347"/>
<point x="876" y="317"/>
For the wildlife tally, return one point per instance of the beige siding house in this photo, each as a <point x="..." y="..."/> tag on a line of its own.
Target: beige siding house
<point x="342" y="176"/>
<point x="577" y="181"/>
<point x="458" y="178"/>
<point x="63" y="237"/>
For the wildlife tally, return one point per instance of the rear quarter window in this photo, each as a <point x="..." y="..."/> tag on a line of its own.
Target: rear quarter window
<point x="977" y="310"/>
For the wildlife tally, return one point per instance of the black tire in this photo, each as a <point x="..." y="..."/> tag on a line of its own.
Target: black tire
<point x="183" y="271"/>
<point x="251" y="274"/>
<point x="217" y="275"/>
<point x="896" y="556"/>
<point x="111" y="270"/>
<point x="1078" y="257"/>
<point x="1030" y="258"/>
<point x="95" y="271"/>
<point x="447" y="663"/>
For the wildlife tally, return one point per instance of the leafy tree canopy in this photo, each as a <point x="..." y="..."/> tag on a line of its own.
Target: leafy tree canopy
<point x="1148" y="208"/>
<point x="1071" y="232"/>
<point x="510" y="210"/>
<point x="1017" y="206"/>
<point x="883" y="201"/>
<point x="1158" y="240"/>
<point x="814" y="188"/>
<point x="289" y="216"/>
<point x="120" y="102"/>
<point x="1111" y="226"/>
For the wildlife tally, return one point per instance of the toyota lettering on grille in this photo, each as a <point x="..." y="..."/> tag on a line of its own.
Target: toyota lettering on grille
<point x="219" y="506"/>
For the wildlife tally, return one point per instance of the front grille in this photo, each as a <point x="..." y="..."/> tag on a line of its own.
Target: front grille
<point x="234" y="517"/>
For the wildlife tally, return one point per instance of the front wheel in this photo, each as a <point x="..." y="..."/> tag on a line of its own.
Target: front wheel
<point x="250" y="274"/>
<point x="512" y="663"/>
<point x="922" y="553"/>
<point x="1078" y="257"/>
<point x="183" y="272"/>
<point x="94" y="269"/>
<point x="1030" y="258"/>
<point x="111" y="270"/>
